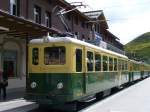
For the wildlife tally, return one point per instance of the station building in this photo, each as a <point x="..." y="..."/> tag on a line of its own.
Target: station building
<point x="23" y="20"/>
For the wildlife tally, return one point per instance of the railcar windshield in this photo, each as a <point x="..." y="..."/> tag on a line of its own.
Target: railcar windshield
<point x="55" y="55"/>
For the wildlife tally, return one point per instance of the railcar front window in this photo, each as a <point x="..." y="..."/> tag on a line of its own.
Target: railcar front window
<point x="55" y="55"/>
<point x="35" y="56"/>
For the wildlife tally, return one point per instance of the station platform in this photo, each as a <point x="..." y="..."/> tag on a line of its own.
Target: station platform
<point x="17" y="105"/>
<point x="133" y="99"/>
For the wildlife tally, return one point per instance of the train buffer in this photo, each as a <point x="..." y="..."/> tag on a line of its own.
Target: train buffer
<point x="133" y="99"/>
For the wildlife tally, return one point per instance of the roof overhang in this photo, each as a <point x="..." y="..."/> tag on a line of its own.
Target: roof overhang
<point x="112" y="35"/>
<point x="20" y="27"/>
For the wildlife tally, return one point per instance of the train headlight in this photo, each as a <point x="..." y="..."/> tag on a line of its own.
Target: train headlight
<point x="33" y="85"/>
<point x="60" y="85"/>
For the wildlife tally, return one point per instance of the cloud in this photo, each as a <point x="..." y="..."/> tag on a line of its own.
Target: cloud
<point x="131" y="28"/>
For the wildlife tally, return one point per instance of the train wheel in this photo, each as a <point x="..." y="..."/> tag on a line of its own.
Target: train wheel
<point x="99" y="96"/>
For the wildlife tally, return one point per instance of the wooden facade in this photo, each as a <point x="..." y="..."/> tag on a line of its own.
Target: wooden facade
<point x="77" y="22"/>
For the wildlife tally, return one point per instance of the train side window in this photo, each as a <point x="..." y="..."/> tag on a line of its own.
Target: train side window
<point x="119" y="64"/>
<point x="55" y="55"/>
<point x="97" y="62"/>
<point x="89" y="61"/>
<point x="35" y="56"/>
<point x="110" y="64"/>
<point x="137" y="67"/>
<point x="131" y="66"/>
<point x="78" y="60"/>
<point x="123" y="65"/>
<point x="126" y="65"/>
<point x="105" y="63"/>
<point x="134" y="67"/>
<point x="115" y="64"/>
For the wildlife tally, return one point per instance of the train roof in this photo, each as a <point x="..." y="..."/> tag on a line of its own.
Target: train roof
<point x="139" y="62"/>
<point x="72" y="40"/>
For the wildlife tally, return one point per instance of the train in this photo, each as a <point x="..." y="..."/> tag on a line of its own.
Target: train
<point x="62" y="70"/>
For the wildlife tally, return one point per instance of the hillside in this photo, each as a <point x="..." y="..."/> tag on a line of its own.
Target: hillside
<point x="140" y="46"/>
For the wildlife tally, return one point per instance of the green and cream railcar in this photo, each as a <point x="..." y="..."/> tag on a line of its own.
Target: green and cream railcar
<point x="135" y="70"/>
<point x="65" y="69"/>
<point x="145" y="68"/>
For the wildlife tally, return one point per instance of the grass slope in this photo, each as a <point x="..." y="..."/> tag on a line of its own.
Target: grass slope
<point x="140" y="46"/>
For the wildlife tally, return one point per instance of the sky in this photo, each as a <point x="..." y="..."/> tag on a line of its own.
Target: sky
<point x="127" y="19"/>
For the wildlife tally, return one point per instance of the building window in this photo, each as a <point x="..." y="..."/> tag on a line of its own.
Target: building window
<point x="91" y="27"/>
<point x="82" y="24"/>
<point x="95" y="26"/>
<point x="78" y="60"/>
<point x="37" y="14"/>
<point x="48" y="19"/>
<point x="14" y="7"/>
<point x="87" y="25"/>
<point x="98" y="28"/>
<point x="69" y="16"/>
<point x="76" y="20"/>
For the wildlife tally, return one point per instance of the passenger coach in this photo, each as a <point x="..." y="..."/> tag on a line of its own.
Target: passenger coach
<point x="65" y="69"/>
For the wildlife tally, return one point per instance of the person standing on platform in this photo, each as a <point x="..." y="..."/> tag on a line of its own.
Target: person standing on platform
<point x="3" y="84"/>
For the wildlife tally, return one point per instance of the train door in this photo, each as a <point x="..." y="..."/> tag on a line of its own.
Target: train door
<point x="89" y="74"/>
<point x="80" y="68"/>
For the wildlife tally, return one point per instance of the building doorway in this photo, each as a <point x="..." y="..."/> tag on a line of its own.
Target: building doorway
<point x="10" y="64"/>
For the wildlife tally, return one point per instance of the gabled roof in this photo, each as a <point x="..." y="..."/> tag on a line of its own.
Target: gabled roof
<point x="93" y="14"/>
<point x="97" y="15"/>
<point x="90" y="15"/>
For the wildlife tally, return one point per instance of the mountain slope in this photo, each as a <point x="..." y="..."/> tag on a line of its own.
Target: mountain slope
<point x="140" y="47"/>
